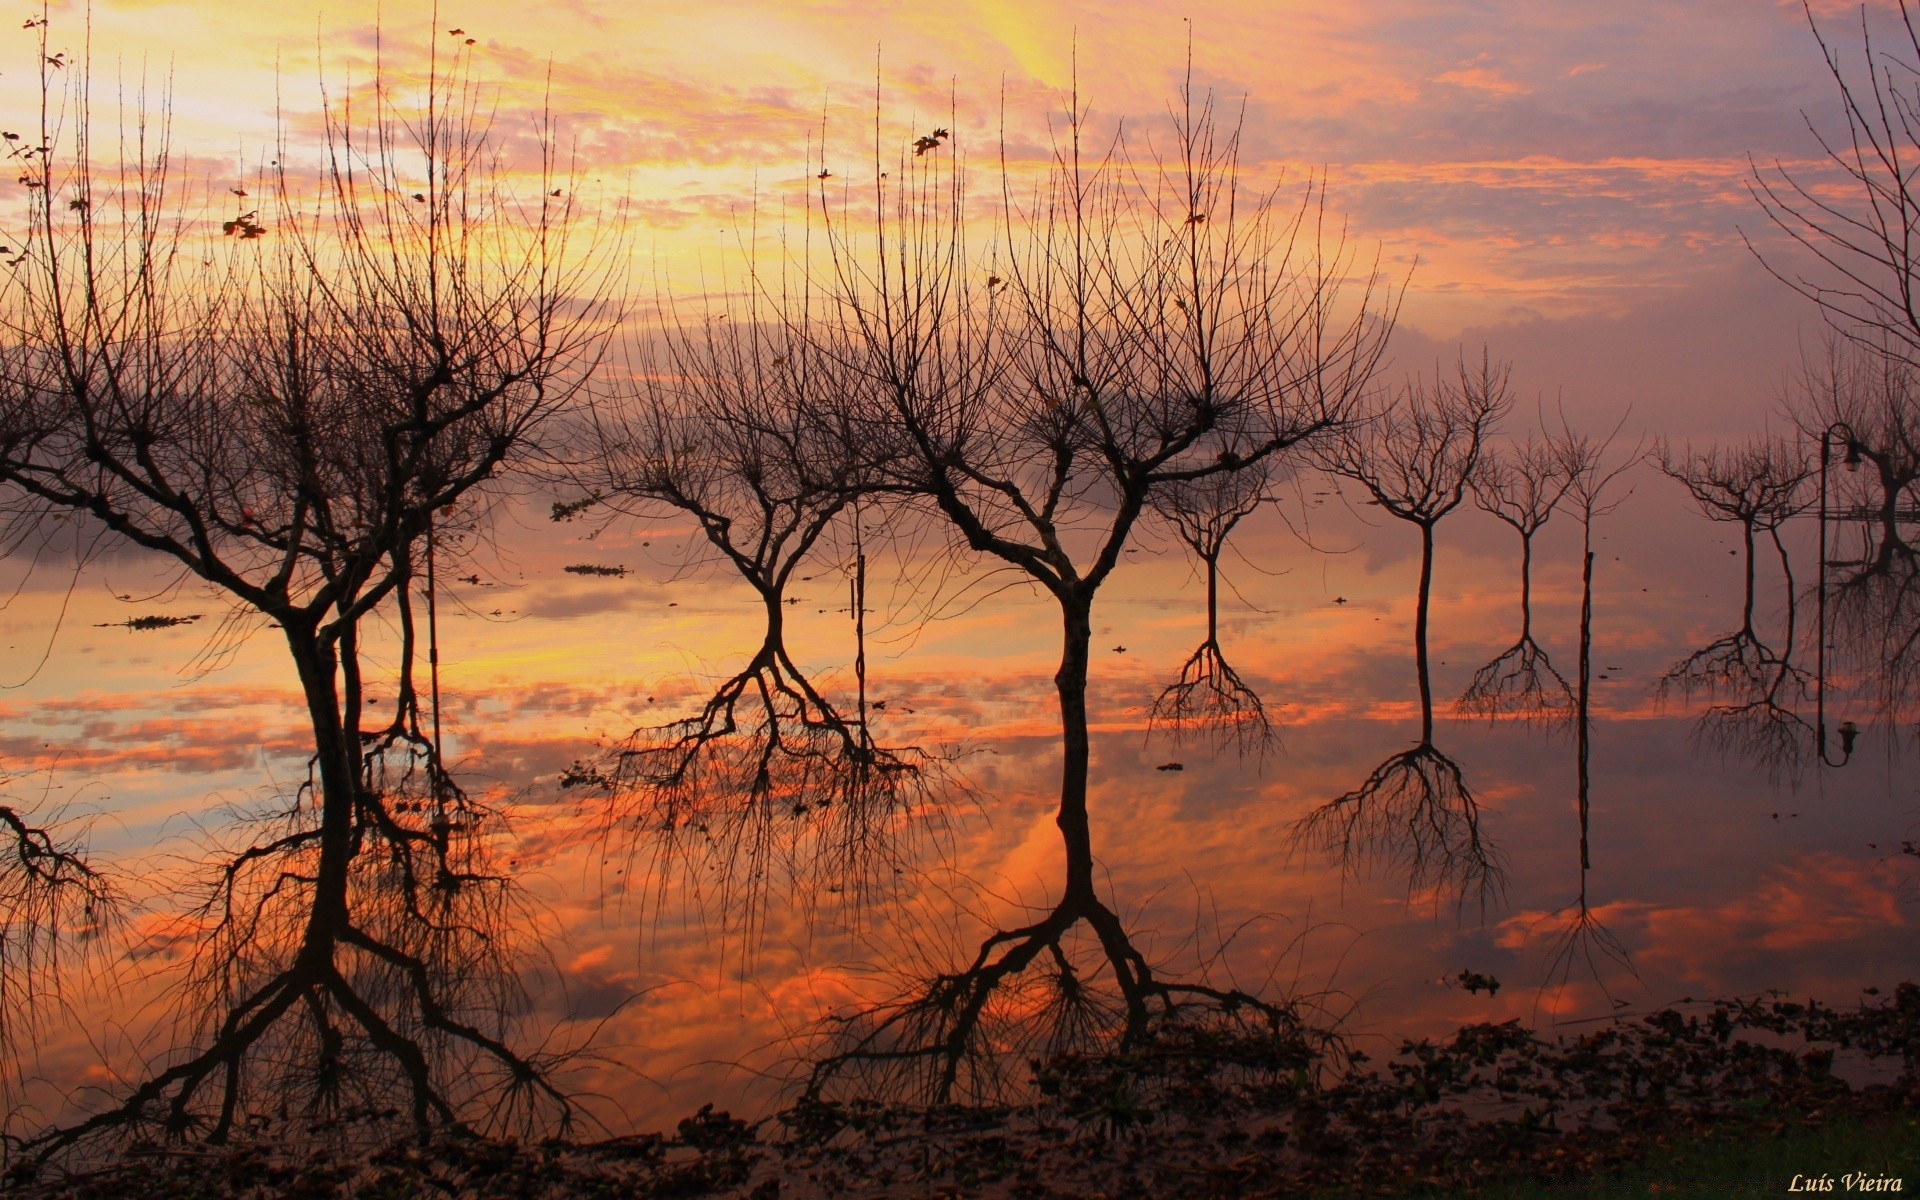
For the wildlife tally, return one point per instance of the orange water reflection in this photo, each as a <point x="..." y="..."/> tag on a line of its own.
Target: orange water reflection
<point x="1712" y="879"/>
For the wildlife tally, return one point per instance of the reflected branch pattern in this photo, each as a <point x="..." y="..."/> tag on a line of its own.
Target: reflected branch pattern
<point x="1863" y="397"/>
<point x="768" y="780"/>
<point x="1416" y="458"/>
<point x="51" y="899"/>
<point x="1415" y="814"/>
<point x="1208" y="699"/>
<point x="1151" y="325"/>
<point x="285" y="420"/>
<point x="1757" y="486"/>
<point x="1029" y="995"/>
<point x="1521" y="487"/>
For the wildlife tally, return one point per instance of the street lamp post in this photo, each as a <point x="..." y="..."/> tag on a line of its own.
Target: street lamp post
<point x="1847" y="730"/>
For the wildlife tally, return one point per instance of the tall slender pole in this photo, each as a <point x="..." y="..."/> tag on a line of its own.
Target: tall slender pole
<point x="1584" y="700"/>
<point x="437" y="772"/>
<point x="860" y="617"/>
<point x="1820" y="604"/>
<point x="1847" y="730"/>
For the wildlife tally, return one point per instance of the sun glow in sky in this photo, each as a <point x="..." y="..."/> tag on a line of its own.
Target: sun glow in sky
<point x="1523" y="165"/>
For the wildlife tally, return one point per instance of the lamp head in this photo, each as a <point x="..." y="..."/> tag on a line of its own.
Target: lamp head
<point x="1852" y="460"/>
<point x="1848" y="732"/>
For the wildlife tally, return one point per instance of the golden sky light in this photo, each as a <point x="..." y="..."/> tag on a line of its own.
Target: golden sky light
<point x="1537" y="161"/>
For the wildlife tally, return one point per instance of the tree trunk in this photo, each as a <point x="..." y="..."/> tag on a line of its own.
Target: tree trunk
<point x="336" y="761"/>
<point x="1420" y="634"/>
<point x="1071" y="684"/>
<point x="1585" y="731"/>
<point x="1213" y="600"/>
<point x="1526" y="586"/>
<point x="1746" y="611"/>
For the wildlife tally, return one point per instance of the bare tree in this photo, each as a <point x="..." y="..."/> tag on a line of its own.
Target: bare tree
<point x="742" y="427"/>
<point x="285" y="421"/>
<point x="1416" y="458"/>
<point x="1853" y="252"/>
<point x="1860" y="405"/>
<point x="1853" y="247"/>
<point x="1521" y="487"/>
<point x="1593" y="491"/>
<point x="1867" y="401"/>
<point x="1758" y="485"/>
<point x="1147" y="325"/>
<point x="1209" y="698"/>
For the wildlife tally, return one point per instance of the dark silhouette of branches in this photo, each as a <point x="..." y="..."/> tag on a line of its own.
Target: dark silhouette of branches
<point x="1416" y="456"/>
<point x="1209" y="699"/>
<point x="1871" y="399"/>
<point x="1149" y="324"/>
<point x="1853" y="246"/>
<point x="287" y="420"/>
<point x="1521" y="487"/>
<point x="1758" y="485"/>
<point x="1863" y="401"/>
<point x="1592" y="491"/>
<point x="742" y="427"/>
<point x="1582" y="943"/>
<point x="50" y="899"/>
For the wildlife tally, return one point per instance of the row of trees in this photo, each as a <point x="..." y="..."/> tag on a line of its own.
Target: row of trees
<point x="300" y="409"/>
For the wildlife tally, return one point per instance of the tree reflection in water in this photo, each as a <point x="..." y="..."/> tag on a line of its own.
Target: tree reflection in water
<point x="1865" y="394"/>
<point x="1416" y="457"/>
<point x="769" y="789"/>
<point x="1757" y="486"/>
<point x="1521" y="487"/>
<point x="1209" y="699"/>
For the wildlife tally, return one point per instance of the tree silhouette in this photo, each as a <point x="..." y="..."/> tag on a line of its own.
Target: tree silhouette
<point x="1145" y="325"/>
<point x="50" y="898"/>
<point x="1591" y="493"/>
<point x="741" y="427"/>
<point x="1759" y="486"/>
<point x="1416" y="457"/>
<point x="1208" y="698"/>
<point x="1852" y="250"/>
<point x="1521" y="487"/>
<point x="1861" y="403"/>
<point x="285" y="420"/>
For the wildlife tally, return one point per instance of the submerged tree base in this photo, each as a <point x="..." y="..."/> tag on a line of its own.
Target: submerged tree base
<point x="1191" y="1111"/>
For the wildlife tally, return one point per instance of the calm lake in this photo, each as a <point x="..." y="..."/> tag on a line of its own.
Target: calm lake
<point x="1711" y="873"/>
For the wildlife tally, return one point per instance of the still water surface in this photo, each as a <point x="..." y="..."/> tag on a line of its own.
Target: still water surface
<point x="1712" y="873"/>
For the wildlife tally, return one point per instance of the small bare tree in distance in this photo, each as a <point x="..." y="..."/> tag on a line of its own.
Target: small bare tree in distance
<point x="1593" y="491"/>
<point x="1209" y="699"/>
<point x="1416" y="457"/>
<point x="1521" y="487"/>
<point x="1758" y="485"/>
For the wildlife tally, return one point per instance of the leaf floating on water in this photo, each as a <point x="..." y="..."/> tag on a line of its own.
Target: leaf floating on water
<point x="594" y="569"/>
<point x="154" y="621"/>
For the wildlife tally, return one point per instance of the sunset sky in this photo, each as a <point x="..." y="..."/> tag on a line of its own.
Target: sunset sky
<point x="1570" y="179"/>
